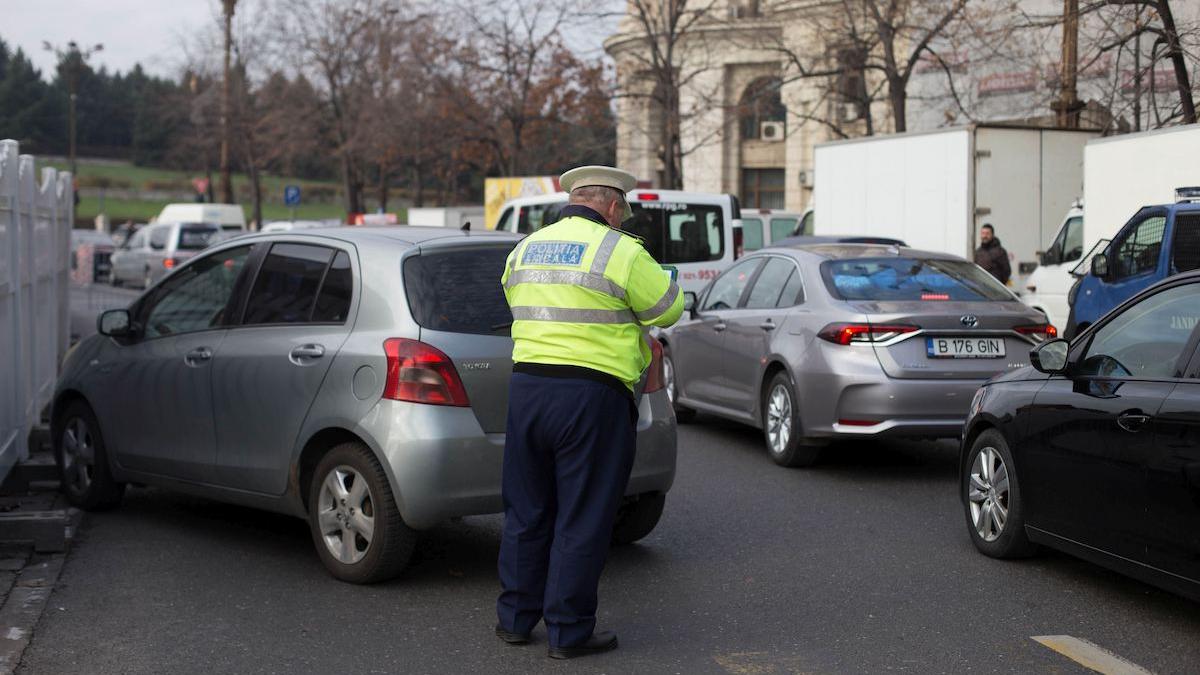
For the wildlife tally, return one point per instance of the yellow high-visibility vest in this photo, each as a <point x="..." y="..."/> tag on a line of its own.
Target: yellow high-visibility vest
<point x="580" y="293"/>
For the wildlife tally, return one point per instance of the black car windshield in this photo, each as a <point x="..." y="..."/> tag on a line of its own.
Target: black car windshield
<point x="930" y="279"/>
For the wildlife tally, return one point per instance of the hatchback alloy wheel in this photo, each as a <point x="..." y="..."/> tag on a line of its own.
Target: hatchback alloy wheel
<point x="346" y="513"/>
<point x="988" y="494"/>
<point x="79" y="454"/>
<point x="779" y="419"/>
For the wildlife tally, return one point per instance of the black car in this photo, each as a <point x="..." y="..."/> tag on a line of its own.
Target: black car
<point x="1095" y="448"/>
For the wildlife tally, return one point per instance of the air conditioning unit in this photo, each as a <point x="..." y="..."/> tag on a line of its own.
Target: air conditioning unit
<point x="771" y="131"/>
<point x="848" y="112"/>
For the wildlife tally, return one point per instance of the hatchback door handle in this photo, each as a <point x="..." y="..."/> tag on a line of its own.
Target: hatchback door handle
<point x="767" y="325"/>
<point x="719" y="326"/>
<point x="308" y="352"/>
<point x="198" y="356"/>
<point x="1132" y="421"/>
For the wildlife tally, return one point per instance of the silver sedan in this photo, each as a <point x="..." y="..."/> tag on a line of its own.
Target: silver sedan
<point x="355" y="377"/>
<point x="818" y="342"/>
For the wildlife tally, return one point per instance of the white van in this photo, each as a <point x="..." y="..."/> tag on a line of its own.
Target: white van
<point x="227" y="216"/>
<point x="1047" y="287"/>
<point x="763" y="227"/>
<point x="691" y="230"/>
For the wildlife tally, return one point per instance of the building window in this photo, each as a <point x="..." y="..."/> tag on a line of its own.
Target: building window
<point x="763" y="188"/>
<point x="761" y="102"/>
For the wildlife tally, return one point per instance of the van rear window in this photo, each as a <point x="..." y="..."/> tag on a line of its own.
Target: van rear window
<point x="458" y="291"/>
<point x="196" y="237"/>
<point x="675" y="232"/>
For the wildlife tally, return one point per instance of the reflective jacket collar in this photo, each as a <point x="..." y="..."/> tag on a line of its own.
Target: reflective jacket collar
<point x="583" y="212"/>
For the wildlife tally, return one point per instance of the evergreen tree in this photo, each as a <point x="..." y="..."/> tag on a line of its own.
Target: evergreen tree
<point x="24" y="113"/>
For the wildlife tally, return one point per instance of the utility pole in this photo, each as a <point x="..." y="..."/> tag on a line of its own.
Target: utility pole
<point x="226" y="132"/>
<point x="1068" y="106"/>
<point x="73" y="59"/>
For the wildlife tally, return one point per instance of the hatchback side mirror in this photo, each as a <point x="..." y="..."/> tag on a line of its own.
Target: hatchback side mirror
<point x="114" y="323"/>
<point x="1051" y="357"/>
<point x="1100" y="265"/>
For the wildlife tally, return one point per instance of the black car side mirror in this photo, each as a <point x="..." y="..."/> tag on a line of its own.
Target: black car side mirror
<point x="1100" y="265"/>
<point x="1051" y="357"/>
<point x="689" y="303"/>
<point x="115" y="323"/>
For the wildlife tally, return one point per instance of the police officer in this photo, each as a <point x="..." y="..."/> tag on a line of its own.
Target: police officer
<point x="581" y="293"/>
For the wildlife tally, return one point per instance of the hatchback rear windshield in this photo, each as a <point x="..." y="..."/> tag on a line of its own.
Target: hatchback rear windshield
<point x="196" y="237"/>
<point x="910" y="279"/>
<point x="458" y="291"/>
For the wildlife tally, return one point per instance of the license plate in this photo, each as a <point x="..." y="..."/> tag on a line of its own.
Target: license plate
<point x="964" y="348"/>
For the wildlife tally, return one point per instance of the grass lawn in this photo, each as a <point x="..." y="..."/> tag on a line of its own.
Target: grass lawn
<point x="127" y="176"/>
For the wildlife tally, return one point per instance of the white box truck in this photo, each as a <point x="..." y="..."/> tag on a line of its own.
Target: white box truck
<point x="1121" y="174"/>
<point x="936" y="189"/>
<point x="447" y="216"/>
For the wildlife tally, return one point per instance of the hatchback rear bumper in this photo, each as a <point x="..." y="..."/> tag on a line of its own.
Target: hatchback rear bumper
<point x="442" y="464"/>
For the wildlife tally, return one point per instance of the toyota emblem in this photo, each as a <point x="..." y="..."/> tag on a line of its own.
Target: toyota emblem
<point x="969" y="320"/>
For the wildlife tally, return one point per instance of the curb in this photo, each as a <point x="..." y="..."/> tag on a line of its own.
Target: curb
<point x="24" y="606"/>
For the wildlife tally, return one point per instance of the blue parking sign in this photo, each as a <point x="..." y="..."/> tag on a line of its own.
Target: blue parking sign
<point x="291" y="195"/>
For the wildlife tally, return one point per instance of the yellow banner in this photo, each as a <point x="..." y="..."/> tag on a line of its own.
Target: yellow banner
<point x="497" y="191"/>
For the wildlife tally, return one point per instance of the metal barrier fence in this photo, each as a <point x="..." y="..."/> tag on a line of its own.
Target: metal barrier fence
<point x="35" y="227"/>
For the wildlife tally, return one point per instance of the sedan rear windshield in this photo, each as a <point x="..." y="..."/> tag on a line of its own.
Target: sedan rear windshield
<point x="458" y="291"/>
<point x="886" y="279"/>
<point x="196" y="237"/>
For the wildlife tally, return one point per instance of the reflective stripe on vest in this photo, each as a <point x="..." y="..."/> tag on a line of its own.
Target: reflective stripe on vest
<point x="596" y="282"/>
<point x="661" y="306"/>
<point x="573" y="315"/>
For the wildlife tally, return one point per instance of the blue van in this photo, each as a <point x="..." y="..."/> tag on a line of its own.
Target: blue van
<point x="1159" y="241"/>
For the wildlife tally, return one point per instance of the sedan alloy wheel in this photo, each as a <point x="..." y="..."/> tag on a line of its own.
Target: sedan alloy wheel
<point x="988" y="494"/>
<point x="79" y="454"/>
<point x="779" y="418"/>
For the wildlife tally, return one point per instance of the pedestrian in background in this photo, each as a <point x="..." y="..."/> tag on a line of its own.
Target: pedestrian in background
<point x="991" y="256"/>
<point x="581" y="292"/>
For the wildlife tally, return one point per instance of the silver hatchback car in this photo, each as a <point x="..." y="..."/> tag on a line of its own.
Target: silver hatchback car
<point x="817" y="342"/>
<point x="356" y="377"/>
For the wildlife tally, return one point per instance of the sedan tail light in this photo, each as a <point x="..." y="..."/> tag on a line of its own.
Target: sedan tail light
<point x="655" y="378"/>
<point x="421" y="373"/>
<point x="1039" y="331"/>
<point x="863" y="333"/>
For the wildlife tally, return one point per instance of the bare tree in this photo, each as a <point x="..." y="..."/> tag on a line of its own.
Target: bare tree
<point x="669" y="56"/>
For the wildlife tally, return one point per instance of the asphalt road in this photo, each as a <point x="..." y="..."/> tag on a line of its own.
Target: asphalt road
<point x="859" y="565"/>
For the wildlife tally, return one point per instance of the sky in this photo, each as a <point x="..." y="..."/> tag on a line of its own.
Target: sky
<point x="132" y="31"/>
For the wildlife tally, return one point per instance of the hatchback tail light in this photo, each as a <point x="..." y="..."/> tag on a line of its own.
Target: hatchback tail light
<point x="862" y="333"/>
<point x="170" y="263"/>
<point x="421" y="373"/>
<point x="655" y="378"/>
<point x="1039" y="331"/>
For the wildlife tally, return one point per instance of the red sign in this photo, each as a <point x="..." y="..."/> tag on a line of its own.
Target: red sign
<point x="201" y="185"/>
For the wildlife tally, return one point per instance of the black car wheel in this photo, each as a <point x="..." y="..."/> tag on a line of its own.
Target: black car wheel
<point x="82" y="457"/>
<point x="992" y="499"/>
<point x="781" y="425"/>
<point x="353" y="517"/>
<point x="638" y="518"/>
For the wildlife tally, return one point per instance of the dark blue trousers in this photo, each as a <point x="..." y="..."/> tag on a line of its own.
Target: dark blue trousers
<point x="567" y="457"/>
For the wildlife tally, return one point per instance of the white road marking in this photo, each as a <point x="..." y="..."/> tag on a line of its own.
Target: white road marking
<point x="1090" y="655"/>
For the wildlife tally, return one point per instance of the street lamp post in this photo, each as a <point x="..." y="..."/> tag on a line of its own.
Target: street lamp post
<point x="74" y="58"/>
<point x="226" y="178"/>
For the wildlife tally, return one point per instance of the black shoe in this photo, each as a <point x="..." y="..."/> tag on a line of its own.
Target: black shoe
<point x="598" y="642"/>
<point x="510" y="637"/>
